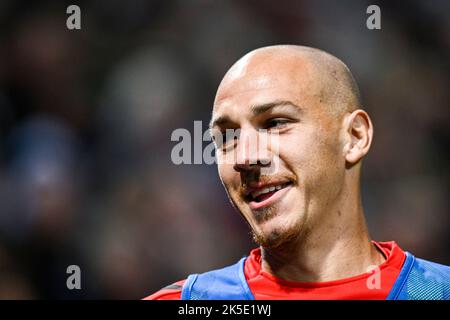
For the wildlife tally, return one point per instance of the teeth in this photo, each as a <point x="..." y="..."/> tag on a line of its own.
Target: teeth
<point x="266" y="190"/>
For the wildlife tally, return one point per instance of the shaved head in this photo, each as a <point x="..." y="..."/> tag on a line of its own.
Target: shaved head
<point x="304" y="103"/>
<point x="328" y="78"/>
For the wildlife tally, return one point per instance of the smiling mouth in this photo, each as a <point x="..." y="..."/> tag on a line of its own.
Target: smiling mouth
<point x="267" y="195"/>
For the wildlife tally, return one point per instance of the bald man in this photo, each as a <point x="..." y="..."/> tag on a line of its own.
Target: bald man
<point x="300" y="193"/>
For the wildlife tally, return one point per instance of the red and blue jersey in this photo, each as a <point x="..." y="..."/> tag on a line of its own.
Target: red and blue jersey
<point x="264" y="286"/>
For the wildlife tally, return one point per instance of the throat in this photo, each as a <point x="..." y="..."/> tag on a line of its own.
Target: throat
<point x="314" y="264"/>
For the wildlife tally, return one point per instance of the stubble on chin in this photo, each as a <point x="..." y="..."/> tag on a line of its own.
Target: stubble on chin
<point x="265" y="214"/>
<point x="278" y="236"/>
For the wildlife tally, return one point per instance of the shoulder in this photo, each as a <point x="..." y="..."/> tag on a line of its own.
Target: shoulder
<point x="422" y="280"/>
<point x="170" y="292"/>
<point x="432" y="270"/>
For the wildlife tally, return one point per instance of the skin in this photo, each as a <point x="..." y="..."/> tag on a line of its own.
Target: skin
<point x="307" y="100"/>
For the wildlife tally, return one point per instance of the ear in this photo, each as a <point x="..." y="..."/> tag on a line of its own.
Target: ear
<point x="358" y="136"/>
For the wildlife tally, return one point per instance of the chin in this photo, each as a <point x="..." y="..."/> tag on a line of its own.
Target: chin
<point x="271" y="241"/>
<point x="275" y="234"/>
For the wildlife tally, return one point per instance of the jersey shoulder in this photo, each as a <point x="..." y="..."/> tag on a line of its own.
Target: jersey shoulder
<point x="170" y="292"/>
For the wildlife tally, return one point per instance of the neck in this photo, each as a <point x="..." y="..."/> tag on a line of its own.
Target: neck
<point x="336" y="248"/>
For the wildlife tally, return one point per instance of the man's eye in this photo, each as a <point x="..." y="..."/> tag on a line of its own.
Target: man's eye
<point x="276" y="123"/>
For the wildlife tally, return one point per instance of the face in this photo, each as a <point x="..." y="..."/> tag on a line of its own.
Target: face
<point x="285" y="165"/>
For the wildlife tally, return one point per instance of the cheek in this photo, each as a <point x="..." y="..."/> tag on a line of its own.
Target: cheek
<point x="299" y="149"/>
<point x="311" y="155"/>
<point x="223" y="173"/>
<point x="228" y="175"/>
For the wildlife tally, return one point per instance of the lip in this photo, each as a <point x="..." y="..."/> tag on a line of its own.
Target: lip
<point x="261" y="185"/>
<point x="269" y="201"/>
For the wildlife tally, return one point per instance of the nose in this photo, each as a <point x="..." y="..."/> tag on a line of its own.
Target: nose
<point x="252" y="152"/>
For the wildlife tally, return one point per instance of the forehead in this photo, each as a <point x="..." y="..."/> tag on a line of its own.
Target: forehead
<point x="262" y="79"/>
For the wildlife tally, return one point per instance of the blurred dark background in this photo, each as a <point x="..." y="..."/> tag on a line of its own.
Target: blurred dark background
<point x="86" y="116"/>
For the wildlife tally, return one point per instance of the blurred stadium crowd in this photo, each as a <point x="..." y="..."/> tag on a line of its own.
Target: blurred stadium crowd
<point x="86" y="117"/>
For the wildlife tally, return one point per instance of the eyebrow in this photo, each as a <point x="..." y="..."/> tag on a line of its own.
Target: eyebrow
<point x="261" y="108"/>
<point x="255" y="111"/>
